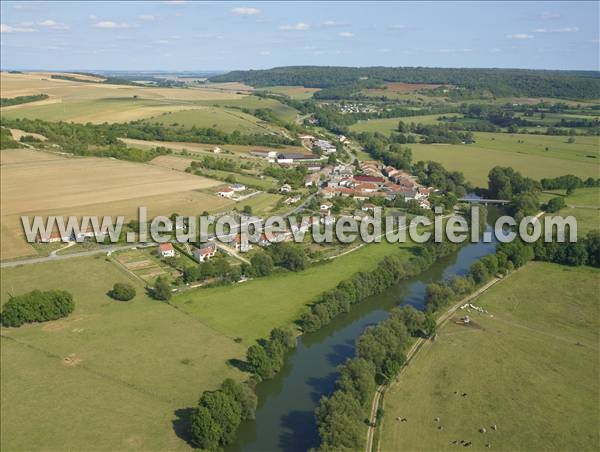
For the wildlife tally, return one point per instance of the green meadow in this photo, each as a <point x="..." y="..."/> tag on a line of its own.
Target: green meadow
<point x="279" y="299"/>
<point x="389" y="125"/>
<point x="529" y="157"/>
<point x="282" y="111"/>
<point x="112" y="374"/>
<point x="224" y="119"/>
<point x="530" y="366"/>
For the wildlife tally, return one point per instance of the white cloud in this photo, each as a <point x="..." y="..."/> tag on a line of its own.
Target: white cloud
<point x="49" y="23"/>
<point x="384" y="50"/>
<point x="455" y="50"/>
<point x="9" y="29"/>
<point x="346" y="34"/>
<point x="110" y="24"/>
<point x="92" y="17"/>
<point x="495" y="50"/>
<point x="330" y="23"/>
<point x="300" y="26"/>
<point x="162" y="41"/>
<point x="557" y="30"/>
<point x="146" y="17"/>
<point x="548" y="16"/>
<point x="244" y="11"/>
<point x="264" y="52"/>
<point x="397" y="27"/>
<point x="175" y="2"/>
<point x="519" y="36"/>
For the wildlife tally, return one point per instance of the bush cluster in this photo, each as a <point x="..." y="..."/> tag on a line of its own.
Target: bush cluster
<point x="37" y="306"/>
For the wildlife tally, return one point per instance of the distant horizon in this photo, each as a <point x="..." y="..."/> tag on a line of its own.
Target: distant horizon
<point x="223" y="71"/>
<point x="178" y="35"/>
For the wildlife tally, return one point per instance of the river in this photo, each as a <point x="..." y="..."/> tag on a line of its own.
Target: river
<point x="285" y="414"/>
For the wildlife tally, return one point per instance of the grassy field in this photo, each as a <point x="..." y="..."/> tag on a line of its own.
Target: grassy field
<point x="112" y="374"/>
<point x="530" y="365"/>
<point x="282" y="111"/>
<point x="262" y="204"/>
<point x="233" y="150"/>
<point x="530" y="158"/>
<point x="38" y="183"/>
<point x="224" y="119"/>
<point x="295" y="92"/>
<point x="277" y="300"/>
<point x="98" y="102"/>
<point x="584" y="205"/>
<point x="389" y="125"/>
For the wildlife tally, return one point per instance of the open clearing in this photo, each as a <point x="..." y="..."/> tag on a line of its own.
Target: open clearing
<point x="531" y="366"/>
<point x="200" y="148"/>
<point x="223" y="119"/>
<point x="282" y="111"/>
<point x="389" y="125"/>
<point x="38" y="183"/>
<point x="584" y="205"/>
<point x="98" y="102"/>
<point x="295" y="92"/>
<point x="279" y="299"/>
<point x="530" y="157"/>
<point x="112" y="374"/>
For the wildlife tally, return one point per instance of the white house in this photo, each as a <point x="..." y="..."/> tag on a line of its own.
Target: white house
<point x="242" y="244"/>
<point x="285" y="188"/>
<point x="205" y="252"/>
<point x="326" y="207"/>
<point x="217" y="150"/>
<point x="166" y="250"/>
<point x="226" y="192"/>
<point x="238" y="187"/>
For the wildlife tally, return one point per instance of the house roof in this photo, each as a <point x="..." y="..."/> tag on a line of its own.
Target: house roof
<point x="226" y="190"/>
<point x="165" y="247"/>
<point x="369" y="179"/>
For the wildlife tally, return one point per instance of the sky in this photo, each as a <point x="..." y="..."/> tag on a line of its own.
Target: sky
<point x="187" y="35"/>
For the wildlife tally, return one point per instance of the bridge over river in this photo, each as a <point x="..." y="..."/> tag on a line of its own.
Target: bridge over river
<point x="485" y="201"/>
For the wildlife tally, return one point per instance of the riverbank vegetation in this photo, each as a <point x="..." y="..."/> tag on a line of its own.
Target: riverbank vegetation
<point x="540" y="324"/>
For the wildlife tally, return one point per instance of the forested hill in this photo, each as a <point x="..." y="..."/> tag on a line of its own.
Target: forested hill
<point x="501" y="82"/>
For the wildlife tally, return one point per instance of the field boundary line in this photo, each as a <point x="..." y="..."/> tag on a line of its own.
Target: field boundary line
<point x="102" y="375"/>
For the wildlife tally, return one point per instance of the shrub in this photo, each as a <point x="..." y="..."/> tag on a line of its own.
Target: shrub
<point x="122" y="292"/>
<point x="37" y="306"/>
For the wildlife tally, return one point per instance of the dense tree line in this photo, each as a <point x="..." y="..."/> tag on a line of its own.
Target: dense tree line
<point x="6" y="139"/>
<point x="509" y="256"/>
<point x="362" y="285"/>
<point x="568" y="183"/>
<point x="37" y="306"/>
<point x="293" y="176"/>
<point x="83" y="138"/>
<point x="265" y="358"/>
<point x="500" y="82"/>
<point x="379" y="356"/>
<point x="219" y="413"/>
<point x="8" y="101"/>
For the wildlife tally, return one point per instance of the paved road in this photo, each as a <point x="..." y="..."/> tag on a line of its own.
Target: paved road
<point x="59" y="257"/>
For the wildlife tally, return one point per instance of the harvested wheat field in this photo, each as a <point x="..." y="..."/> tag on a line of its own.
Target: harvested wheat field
<point x="38" y="183"/>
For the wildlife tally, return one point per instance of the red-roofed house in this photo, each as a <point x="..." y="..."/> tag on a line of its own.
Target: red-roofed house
<point x="166" y="250"/>
<point x="205" y="252"/>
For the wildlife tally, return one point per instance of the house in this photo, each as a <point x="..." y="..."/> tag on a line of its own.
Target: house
<point x="238" y="187"/>
<point x="217" y="150"/>
<point x="205" y="252"/>
<point x="51" y="238"/>
<point x="88" y="234"/>
<point x="263" y="241"/>
<point x="226" y="192"/>
<point x="368" y="206"/>
<point x="285" y="188"/>
<point x="328" y="192"/>
<point x="166" y="250"/>
<point x="326" y="207"/>
<point x="312" y="179"/>
<point x="370" y="179"/>
<point x="425" y="204"/>
<point x="241" y="244"/>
